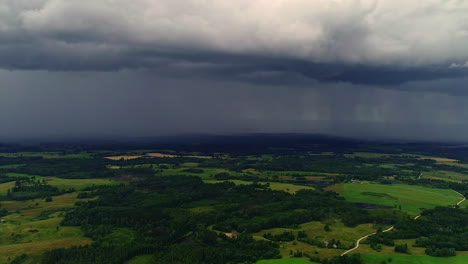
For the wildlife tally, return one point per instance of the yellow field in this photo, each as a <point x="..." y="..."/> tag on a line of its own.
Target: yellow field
<point x="148" y="155"/>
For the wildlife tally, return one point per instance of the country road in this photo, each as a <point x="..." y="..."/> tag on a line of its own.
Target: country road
<point x="364" y="237"/>
<point x="464" y="198"/>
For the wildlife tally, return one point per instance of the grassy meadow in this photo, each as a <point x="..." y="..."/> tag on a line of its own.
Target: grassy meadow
<point x="411" y="198"/>
<point x="33" y="226"/>
<point x="408" y="259"/>
<point x="276" y="186"/>
<point x="286" y="261"/>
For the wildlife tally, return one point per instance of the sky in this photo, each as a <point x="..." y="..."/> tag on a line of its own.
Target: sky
<point x="117" y="68"/>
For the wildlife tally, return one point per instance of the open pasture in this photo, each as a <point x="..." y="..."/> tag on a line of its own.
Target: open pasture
<point x="49" y="155"/>
<point x="409" y="259"/>
<point x="12" y="166"/>
<point x="276" y="186"/>
<point x="411" y="198"/>
<point x="40" y="247"/>
<point x="142" y="259"/>
<point x="286" y="261"/>
<point x="30" y="209"/>
<point x="445" y="176"/>
<point x="315" y="229"/>
<point x="33" y="226"/>
<point x="63" y="184"/>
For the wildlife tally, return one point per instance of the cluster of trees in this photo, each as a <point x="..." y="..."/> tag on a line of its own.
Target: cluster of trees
<point x="403" y="248"/>
<point x="285" y="236"/>
<point x="30" y="188"/>
<point x="442" y="231"/>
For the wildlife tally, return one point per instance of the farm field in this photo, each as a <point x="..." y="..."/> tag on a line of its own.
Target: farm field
<point x="316" y="230"/>
<point x="49" y="155"/>
<point x="34" y="227"/>
<point x="143" y="259"/>
<point x="445" y="175"/>
<point x="11" y="166"/>
<point x="405" y="259"/>
<point x="411" y="198"/>
<point x="276" y="186"/>
<point x="286" y="261"/>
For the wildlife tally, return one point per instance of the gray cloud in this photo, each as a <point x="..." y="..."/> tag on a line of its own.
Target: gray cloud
<point x="364" y="68"/>
<point x="358" y="41"/>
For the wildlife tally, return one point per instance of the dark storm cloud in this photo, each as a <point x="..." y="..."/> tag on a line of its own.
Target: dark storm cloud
<point x="362" y="42"/>
<point x="139" y="103"/>
<point x="362" y="68"/>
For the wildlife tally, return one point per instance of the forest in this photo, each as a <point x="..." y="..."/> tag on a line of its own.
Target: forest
<point x="220" y="202"/>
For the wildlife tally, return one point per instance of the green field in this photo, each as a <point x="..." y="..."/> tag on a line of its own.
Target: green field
<point x="410" y="197"/>
<point x="63" y="184"/>
<point x="399" y="259"/>
<point x="207" y="173"/>
<point x="445" y="175"/>
<point x="48" y="155"/>
<point x="33" y="226"/>
<point x="79" y="184"/>
<point x="143" y="259"/>
<point x="276" y="186"/>
<point x="42" y="217"/>
<point x="286" y="261"/>
<point x="13" y="166"/>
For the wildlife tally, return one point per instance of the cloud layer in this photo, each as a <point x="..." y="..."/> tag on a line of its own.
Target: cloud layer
<point x="115" y="34"/>
<point x="143" y="67"/>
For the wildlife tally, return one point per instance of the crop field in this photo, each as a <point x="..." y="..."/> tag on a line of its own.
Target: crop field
<point x="13" y="166"/>
<point x="33" y="227"/>
<point x="49" y="155"/>
<point x="147" y="155"/>
<point x="439" y="159"/>
<point x="30" y="209"/>
<point x="408" y="259"/>
<point x="276" y="186"/>
<point x="366" y="155"/>
<point x="63" y="184"/>
<point x="79" y="184"/>
<point x="35" y="248"/>
<point x="286" y="261"/>
<point x="410" y="197"/>
<point x="445" y="175"/>
<point x="143" y="259"/>
<point x="207" y="173"/>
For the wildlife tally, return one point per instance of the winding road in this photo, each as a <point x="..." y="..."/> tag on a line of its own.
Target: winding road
<point x="391" y="228"/>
